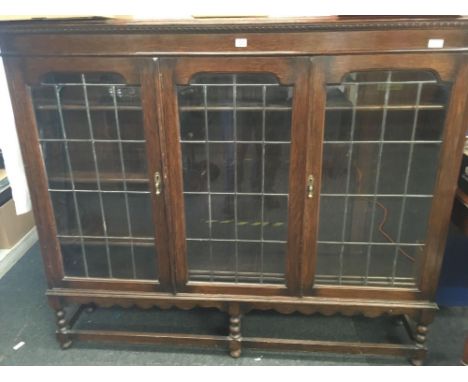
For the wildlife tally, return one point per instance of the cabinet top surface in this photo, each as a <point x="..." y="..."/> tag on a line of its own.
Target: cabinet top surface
<point x="246" y="24"/>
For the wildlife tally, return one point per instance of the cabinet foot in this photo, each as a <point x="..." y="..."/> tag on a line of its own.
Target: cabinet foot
<point x="417" y="361"/>
<point x="464" y="360"/>
<point x="66" y="344"/>
<point x="235" y="353"/>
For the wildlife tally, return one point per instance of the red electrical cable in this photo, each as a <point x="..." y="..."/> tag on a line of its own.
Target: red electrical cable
<point x="384" y="220"/>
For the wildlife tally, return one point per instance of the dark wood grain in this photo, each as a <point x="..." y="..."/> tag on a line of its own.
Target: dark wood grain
<point x="35" y="171"/>
<point x="446" y="182"/>
<point x="199" y="287"/>
<point x="148" y="338"/>
<point x="314" y="148"/>
<point x="173" y="166"/>
<point x="236" y="24"/>
<point x="221" y="43"/>
<point x="370" y="307"/>
<point x="33" y="70"/>
<point x="292" y="72"/>
<point x="446" y="68"/>
<point x="302" y="52"/>
<point x="248" y="342"/>
<point x="282" y="68"/>
<point x="152" y="121"/>
<point x="124" y="285"/>
<point x="350" y="291"/>
<point x="37" y="67"/>
<point x="297" y="177"/>
<point x="334" y="346"/>
<point x="443" y="65"/>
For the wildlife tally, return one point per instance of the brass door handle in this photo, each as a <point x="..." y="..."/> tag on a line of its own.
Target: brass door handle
<point x="157" y="182"/>
<point x="310" y="186"/>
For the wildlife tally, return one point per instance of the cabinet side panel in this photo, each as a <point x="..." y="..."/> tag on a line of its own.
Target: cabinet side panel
<point x="446" y="183"/>
<point x="35" y="171"/>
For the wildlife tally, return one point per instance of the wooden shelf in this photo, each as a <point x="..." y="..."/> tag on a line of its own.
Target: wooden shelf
<point x="91" y="107"/>
<point x="115" y="241"/>
<point x="330" y="106"/>
<point x="90" y="177"/>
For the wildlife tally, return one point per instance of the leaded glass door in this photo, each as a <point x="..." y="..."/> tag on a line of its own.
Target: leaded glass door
<point x="384" y="134"/>
<point x="237" y="179"/>
<point x="99" y="146"/>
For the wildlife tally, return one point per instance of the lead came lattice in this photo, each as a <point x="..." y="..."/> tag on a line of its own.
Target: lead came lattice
<point x="104" y="99"/>
<point x="356" y="94"/>
<point x="243" y="94"/>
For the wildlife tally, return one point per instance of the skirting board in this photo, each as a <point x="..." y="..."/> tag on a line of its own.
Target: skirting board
<point x="9" y="257"/>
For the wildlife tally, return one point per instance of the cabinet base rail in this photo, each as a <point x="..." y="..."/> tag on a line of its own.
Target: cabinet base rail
<point x="249" y="342"/>
<point x="67" y="333"/>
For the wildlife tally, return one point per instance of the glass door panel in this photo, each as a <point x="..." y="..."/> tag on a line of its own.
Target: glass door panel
<point x="235" y="132"/>
<point x="94" y="149"/>
<point x="383" y="134"/>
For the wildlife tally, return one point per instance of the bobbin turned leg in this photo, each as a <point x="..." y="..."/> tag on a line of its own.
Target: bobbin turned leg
<point x="62" y="330"/>
<point x="420" y="338"/>
<point x="235" y="337"/>
<point x="423" y="320"/>
<point x="420" y="335"/>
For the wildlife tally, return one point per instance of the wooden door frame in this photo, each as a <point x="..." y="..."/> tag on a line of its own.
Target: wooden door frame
<point x="448" y="67"/>
<point x="289" y="71"/>
<point x="24" y="73"/>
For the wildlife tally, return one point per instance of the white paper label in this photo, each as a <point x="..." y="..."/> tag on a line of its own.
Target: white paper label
<point x="240" y="43"/>
<point x="18" y="345"/>
<point x="435" y="43"/>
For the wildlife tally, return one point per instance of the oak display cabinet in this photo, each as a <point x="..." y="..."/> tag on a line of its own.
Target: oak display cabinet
<point x="297" y="165"/>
